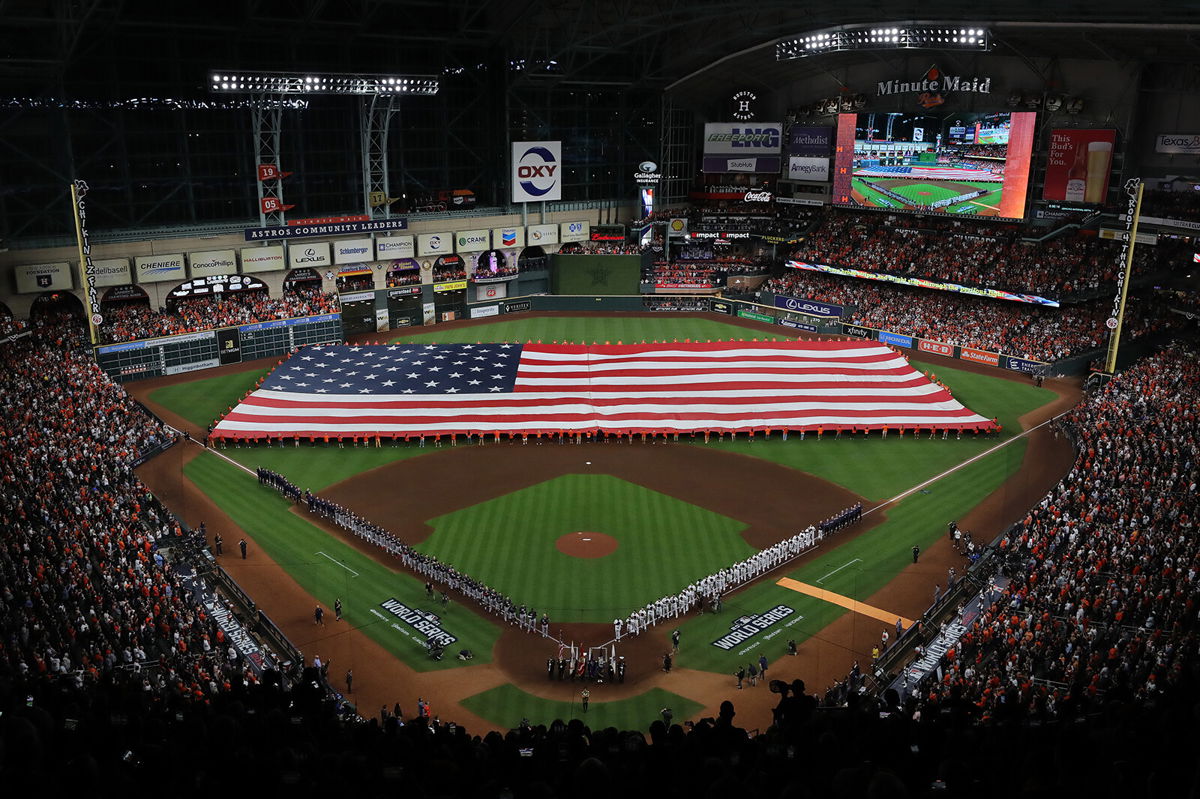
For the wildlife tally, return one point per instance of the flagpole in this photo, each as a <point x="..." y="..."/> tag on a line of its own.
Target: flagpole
<point x="1116" y="322"/>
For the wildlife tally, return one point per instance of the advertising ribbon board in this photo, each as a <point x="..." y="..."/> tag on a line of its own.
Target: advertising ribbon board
<point x="858" y="331"/>
<point x="323" y="229"/>
<point x="806" y="306"/>
<point x="936" y="347"/>
<point x="895" y="338"/>
<point x="755" y="315"/>
<point x="979" y="356"/>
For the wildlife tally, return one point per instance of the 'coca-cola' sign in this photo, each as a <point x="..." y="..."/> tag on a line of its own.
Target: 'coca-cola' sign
<point x="757" y="197"/>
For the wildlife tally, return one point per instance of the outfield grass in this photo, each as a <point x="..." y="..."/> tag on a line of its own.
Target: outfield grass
<point x="857" y="568"/>
<point x="204" y="400"/>
<point x="663" y="545"/>
<point x="327" y="569"/>
<point x="506" y="706"/>
<point x="589" y="330"/>
<point x="877" y="468"/>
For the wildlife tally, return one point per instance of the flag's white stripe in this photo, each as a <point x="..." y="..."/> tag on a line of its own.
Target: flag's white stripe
<point x="701" y="379"/>
<point x="715" y="356"/>
<point x="772" y="366"/>
<point x="457" y="424"/>
<point x="583" y="393"/>
<point x="600" y="410"/>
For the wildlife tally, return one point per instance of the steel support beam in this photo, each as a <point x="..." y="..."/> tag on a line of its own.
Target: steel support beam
<point x="268" y="115"/>
<point x="375" y="120"/>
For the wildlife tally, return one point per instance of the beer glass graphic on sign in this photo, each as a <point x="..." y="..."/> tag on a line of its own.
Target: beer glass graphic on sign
<point x="1099" y="159"/>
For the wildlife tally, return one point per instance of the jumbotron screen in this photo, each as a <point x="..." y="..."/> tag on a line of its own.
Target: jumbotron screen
<point x="962" y="163"/>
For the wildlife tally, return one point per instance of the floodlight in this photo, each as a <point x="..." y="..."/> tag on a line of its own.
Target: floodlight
<point x="879" y="38"/>
<point x="308" y="83"/>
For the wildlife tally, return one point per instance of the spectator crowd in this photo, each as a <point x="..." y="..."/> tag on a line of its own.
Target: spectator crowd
<point x="1025" y="330"/>
<point x="1103" y="597"/>
<point x="133" y="321"/>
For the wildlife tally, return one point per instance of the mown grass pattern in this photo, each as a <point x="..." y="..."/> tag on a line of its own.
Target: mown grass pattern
<point x="663" y="544"/>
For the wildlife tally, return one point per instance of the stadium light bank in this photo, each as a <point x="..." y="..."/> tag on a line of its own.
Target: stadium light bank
<point x="310" y="83"/>
<point x="877" y="37"/>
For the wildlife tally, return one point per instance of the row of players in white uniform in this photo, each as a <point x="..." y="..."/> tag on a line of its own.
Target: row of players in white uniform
<point x="710" y="589"/>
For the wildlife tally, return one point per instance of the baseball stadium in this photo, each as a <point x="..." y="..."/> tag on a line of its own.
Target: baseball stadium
<point x="464" y="400"/>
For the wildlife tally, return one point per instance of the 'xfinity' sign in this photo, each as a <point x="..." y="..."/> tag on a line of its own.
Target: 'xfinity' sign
<point x="536" y="171"/>
<point x="810" y="307"/>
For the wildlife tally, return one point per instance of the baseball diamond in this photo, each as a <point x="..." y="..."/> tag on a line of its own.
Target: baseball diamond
<point x="496" y="511"/>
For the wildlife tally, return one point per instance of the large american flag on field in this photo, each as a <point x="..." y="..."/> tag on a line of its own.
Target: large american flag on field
<point x="435" y="389"/>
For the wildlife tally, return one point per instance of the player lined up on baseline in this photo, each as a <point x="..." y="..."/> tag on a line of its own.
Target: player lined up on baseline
<point x="707" y="591"/>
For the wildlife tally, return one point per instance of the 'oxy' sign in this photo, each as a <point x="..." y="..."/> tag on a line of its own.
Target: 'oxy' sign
<point x="536" y="171"/>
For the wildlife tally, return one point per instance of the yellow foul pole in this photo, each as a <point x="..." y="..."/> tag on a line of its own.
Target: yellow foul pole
<point x="86" y="278"/>
<point x="1116" y="321"/>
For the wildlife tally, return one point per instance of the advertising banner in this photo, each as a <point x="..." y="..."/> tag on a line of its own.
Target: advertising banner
<point x="858" y="331"/>
<point x="1025" y="365"/>
<point x="804" y="168"/>
<point x="895" y="338"/>
<point x="435" y="244"/>
<point x="517" y="306"/>
<point x="755" y="315"/>
<point x="1119" y="235"/>
<point x="813" y="307"/>
<point x="810" y="141"/>
<point x="486" y="310"/>
<point x="722" y="306"/>
<point x="678" y="226"/>
<point x="798" y="325"/>
<point x="1078" y="165"/>
<point x="1177" y="143"/>
<point x="504" y="238"/>
<point x="491" y="291"/>
<point x="996" y="294"/>
<point x="394" y="247"/>
<point x="323" y="229"/>
<point x="314" y="254"/>
<point x="112" y="272"/>
<point x="353" y="251"/>
<point x="979" y="356"/>
<point x="403" y="291"/>
<point x="261" y="259"/>
<point x="34" y="278"/>
<point x="457" y="285"/>
<point x="159" y="268"/>
<point x="743" y="138"/>
<point x="715" y="164"/>
<point x="936" y="347"/>
<point x="574" y="231"/>
<point x="470" y="241"/>
<point x="212" y="262"/>
<point x="536" y="171"/>
<point x="542" y="235"/>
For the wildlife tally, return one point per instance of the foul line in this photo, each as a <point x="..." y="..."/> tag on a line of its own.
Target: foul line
<point x="965" y="463"/>
<point x="844" y="601"/>
<point x="338" y="562"/>
<point x="839" y="568"/>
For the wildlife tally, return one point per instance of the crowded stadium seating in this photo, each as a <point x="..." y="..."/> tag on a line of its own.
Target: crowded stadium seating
<point x="130" y="322"/>
<point x="1021" y="329"/>
<point x="978" y="254"/>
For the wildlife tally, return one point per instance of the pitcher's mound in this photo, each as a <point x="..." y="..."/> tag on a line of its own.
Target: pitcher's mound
<point x="583" y="544"/>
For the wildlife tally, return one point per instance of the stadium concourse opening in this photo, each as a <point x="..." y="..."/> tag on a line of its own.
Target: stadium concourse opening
<point x="566" y="391"/>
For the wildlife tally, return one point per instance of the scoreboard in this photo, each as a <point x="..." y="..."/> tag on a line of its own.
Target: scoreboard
<point x="188" y="352"/>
